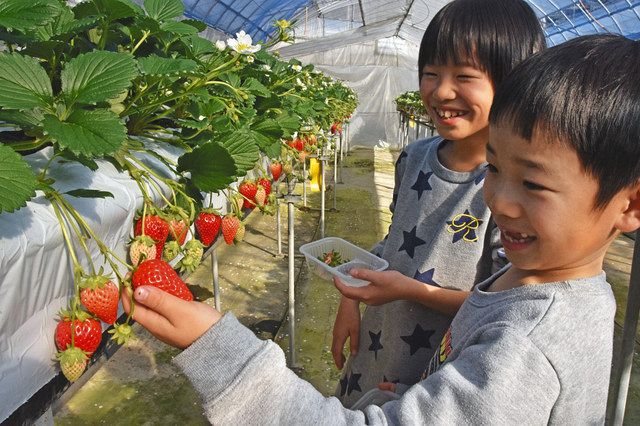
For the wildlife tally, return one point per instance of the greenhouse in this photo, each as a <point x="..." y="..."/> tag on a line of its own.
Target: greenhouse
<point x="330" y="211"/>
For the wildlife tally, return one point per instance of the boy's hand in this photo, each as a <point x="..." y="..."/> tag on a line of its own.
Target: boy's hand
<point x="384" y="287"/>
<point x="347" y="324"/>
<point x="387" y="386"/>
<point x="174" y="321"/>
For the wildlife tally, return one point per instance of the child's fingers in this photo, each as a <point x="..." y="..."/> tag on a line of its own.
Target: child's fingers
<point x="336" y="351"/>
<point x="164" y="304"/>
<point x="347" y="291"/>
<point x="149" y="319"/>
<point x="387" y="386"/>
<point x="354" y="342"/>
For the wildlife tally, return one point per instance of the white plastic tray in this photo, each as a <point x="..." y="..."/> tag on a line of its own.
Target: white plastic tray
<point x="357" y="258"/>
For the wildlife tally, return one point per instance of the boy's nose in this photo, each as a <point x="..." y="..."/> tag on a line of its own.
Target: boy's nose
<point x="444" y="90"/>
<point x="501" y="201"/>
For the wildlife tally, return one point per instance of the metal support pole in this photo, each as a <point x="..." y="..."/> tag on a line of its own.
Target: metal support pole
<point x="304" y="182"/>
<point x="216" y="279"/>
<point x="292" y="288"/>
<point x="417" y="130"/>
<point x="623" y="373"/>
<point x="278" y="228"/>
<point x="335" y="174"/>
<point x="323" y="188"/>
<point x="342" y="146"/>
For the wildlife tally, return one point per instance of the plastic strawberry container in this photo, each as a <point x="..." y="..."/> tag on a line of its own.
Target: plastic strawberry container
<point x="355" y="256"/>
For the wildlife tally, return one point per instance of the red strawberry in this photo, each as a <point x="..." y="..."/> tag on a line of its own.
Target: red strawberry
<point x="276" y="169"/>
<point x="208" y="224"/>
<point x="100" y="296"/>
<point x="230" y="225"/>
<point x="87" y="330"/>
<point x="155" y="227"/>
<point x="266" y="184"/>
<point x="248" y="189"/>
<point x="160" y="274"/>
<point x="299" y="144"/>
<point x="261" y="196"/>
<point x="178" y="230"/>
<point x="336" y="128"/>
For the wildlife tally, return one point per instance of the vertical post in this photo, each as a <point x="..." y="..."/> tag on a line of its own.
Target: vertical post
<point x="343" y="143"/>
<point x="292" y="289"/>
<point x="623" y="373"/>
<point x="304" y="182"/>
<point x="278" y="230"/>
<point x="323" y="188"/>
<point x="216" y="278"/>
<point x="335" y="173"/>
<point x="417" y="130"/>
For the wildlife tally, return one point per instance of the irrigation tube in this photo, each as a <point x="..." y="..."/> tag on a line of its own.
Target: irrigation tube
<point x="323" y="188"/>
<point x="623" y="373"/>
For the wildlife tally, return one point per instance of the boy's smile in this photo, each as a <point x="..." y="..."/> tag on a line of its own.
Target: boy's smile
<point x="458" y="99"/>
<point x="543" y="202"/>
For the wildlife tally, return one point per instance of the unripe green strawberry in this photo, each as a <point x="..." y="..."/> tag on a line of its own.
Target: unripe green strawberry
<point x="142" y="248"/>
<point x="193" y="256"/>
<point x="73" y="362"/>
<point x="240" y="233"/>
<point x="287" y="168"/>
<point x="171" y="250"/>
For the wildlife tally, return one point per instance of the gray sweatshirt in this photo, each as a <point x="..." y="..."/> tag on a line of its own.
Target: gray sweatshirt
<point x="530" y="355"/>
<point x="441" y="234"/>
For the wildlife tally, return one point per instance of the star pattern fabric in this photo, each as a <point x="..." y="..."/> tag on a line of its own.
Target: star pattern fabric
<point x="344" y="382"/>
<point x="422" y="183"/>
<point x="353" y="385"/>
<point x="411" y="241"/>
<point x="375" y="345"/>
<point x="418" y="339"/>
<point x="463" y="227"/>
<point x="426" y="277"/>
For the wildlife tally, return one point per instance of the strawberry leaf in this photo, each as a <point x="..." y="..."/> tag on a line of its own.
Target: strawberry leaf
<point x="97" y="76"/>
<point x="161" y="10"/>
<point x="17" y="181"/>
<point x="211" y="166"/>
<point x="24" y="84"/>
<point x="198" y="45"/>
<point x="243" y="147"/>
<point x="157" y="66"/>
<point x="89" y="133"/>
<point x="26" y="15"/>
<point x="178" y="28"/>
<point x="89" y="193"/>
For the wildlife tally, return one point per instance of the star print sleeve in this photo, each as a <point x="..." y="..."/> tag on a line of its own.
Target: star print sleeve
<point x="399" y="171"/>
<point x="502" y="379"/>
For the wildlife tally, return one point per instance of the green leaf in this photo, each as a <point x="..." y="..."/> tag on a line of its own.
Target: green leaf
<point x="89" y="193"/>
<point x="87" y="162"/>
<point x="89" y="133"/>
<point x="198" y="45"/>
<point x="24" y="84"/>
<point x="289" y="123"/>
<point x="112" y="9"/>
<point x="17" y="181"/>
<point x="161" y="10"/>
<point x="25" y="119"/>
<point x="198" y="25"/>
<point x="243" y="147"/>
<point x="211" y="166"/>
<point x="254" y="86"/>
<point x="178" y="28"/>
<point x="24" y="15"/>
<point x="157" y="66"/>
<point x="97" y="76"/>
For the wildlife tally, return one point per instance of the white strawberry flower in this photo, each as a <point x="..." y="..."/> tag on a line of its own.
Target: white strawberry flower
<point x="221" y="45"/>
<point x="243" y="44"/>
<point x="297" y="68"/>
<point x="266" y="67"/>
<point x="250" y="59"/>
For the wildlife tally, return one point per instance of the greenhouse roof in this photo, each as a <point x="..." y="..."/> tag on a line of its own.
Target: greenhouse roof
<point x="561" y="19"/>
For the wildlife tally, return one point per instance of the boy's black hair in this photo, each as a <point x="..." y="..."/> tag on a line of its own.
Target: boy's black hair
<point x="585" y="93"/>
<point x="494" y="35"/>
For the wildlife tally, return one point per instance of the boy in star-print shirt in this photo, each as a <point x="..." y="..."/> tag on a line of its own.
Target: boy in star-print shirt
<point x="441" y="232"/>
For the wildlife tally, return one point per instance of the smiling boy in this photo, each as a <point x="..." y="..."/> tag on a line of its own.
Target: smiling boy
<point x="532" y="344"/>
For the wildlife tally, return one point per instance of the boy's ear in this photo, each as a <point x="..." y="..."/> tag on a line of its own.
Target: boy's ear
<point x="629" y="220"/>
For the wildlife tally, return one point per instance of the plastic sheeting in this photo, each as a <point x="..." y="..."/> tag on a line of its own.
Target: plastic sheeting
<point x="36" y="272"/>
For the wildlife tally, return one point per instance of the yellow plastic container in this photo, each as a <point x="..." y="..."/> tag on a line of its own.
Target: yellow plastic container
<point x="314" y="173"/>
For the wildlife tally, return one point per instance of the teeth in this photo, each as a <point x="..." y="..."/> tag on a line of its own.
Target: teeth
<point x="516" y="238"/>
<point x="448" y="114"/>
